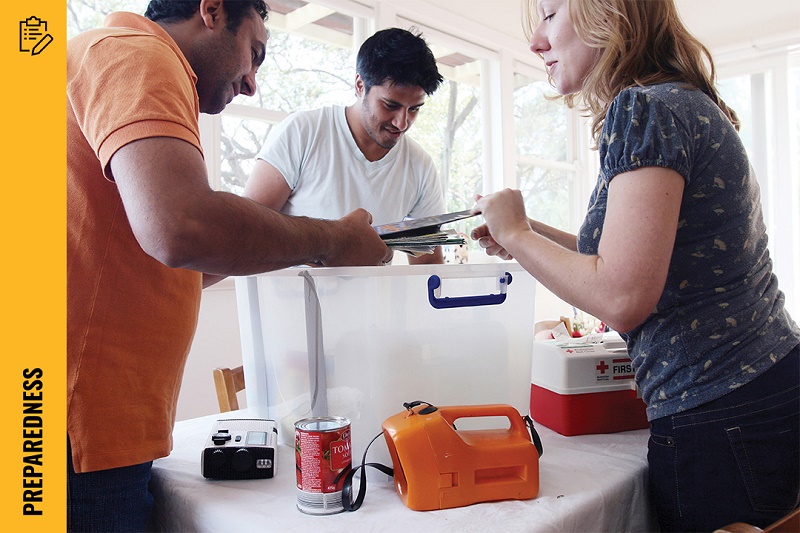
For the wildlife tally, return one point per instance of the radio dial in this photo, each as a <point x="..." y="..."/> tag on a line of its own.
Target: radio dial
<point x="242" y="460"/>
<point x="217" y="458"/>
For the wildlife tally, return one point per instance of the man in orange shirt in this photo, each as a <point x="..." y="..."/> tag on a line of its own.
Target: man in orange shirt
<point x="144" y="225"/>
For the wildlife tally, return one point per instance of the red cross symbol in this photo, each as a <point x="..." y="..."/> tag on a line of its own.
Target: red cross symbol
<point x="602" y="367"/>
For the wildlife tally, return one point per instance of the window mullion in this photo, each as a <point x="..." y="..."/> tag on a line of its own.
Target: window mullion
<point x="210" y="131"/>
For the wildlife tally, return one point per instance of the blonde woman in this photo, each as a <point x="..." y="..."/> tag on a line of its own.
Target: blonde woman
<point x="672" y="254"/>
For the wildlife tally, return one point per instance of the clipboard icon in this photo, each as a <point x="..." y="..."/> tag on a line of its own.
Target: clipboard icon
<point x="33" y="36"/>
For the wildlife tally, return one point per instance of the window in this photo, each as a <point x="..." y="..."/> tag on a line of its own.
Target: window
<point x="737" y="93"/>
<point x="794" y="126"/>
<point x="449" y="127"/>
<point x="765" y="93"/>
<point x="240" y="140"/>
<point x="84" y="15"/>
<point x="544" y="169"/>
<point x="310" y="63"/>
<point x="793" y="187"/>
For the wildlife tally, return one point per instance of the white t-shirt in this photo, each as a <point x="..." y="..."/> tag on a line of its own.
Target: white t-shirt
<point x="330" y="177"/>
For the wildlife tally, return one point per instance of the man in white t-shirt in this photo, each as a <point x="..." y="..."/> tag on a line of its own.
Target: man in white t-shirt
<point x="326" y="162"/>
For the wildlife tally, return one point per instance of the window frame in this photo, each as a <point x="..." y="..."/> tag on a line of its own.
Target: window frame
<point x="774" y="159"/>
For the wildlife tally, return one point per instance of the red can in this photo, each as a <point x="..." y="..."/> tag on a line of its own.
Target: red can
<point x="323" y="458"/>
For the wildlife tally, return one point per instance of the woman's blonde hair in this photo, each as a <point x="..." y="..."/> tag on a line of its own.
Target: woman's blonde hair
<point x="639" y="42"/>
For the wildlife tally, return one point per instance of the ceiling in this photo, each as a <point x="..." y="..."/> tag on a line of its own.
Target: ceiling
<point x="725" y="23"/>
<point x="733" y="30"/>
<point x="719" y="24"/>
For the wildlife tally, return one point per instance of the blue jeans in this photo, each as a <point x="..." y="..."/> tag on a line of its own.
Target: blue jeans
<point x="735" y="459"/>
<point x="117" y="499"/>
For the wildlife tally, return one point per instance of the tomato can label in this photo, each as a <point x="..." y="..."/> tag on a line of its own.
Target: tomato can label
<point x="323" y="457"/>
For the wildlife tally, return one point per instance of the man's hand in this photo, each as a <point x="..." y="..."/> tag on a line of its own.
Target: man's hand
<point x="355" y="242"/>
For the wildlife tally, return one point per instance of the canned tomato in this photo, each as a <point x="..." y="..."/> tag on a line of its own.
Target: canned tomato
<point x="323" y="458"/>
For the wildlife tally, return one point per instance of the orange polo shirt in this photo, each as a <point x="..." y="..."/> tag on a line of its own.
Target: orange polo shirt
<point x="130" y="319"/>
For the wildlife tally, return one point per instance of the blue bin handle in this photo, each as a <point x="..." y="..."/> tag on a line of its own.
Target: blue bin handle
<point x="435" y="290"/>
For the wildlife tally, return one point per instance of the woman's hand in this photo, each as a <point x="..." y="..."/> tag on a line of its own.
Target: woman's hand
<point x="504" y="213"/>
<point x="485" y="241"/>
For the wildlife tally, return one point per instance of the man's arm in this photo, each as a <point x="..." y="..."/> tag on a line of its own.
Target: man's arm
<point x="179" y="220"/>
<point x="267" y="186"/>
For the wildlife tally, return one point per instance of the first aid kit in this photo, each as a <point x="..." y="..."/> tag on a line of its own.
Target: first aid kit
<point x="580" y="388"/>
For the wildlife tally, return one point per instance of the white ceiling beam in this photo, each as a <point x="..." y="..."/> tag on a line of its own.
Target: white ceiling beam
<point x="469" y="70"/>
<point x="308" y="14"/>
<point x="469" y="74"/>
<point x="312" y="31"/>
<point x="439" y="51"/>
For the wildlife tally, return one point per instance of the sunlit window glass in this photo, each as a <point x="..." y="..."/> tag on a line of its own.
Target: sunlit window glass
<point x="85" y="15"/>
<point x="450" y="129"/>
<point x="301" y="73"/>
<point x="543" y="170"/>
<point x="240" y="141"/>
<point x="737" y="94"/>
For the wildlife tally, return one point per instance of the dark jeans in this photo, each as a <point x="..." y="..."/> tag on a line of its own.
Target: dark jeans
<point x="736" y="459"/>
<point x="108" y="500"/>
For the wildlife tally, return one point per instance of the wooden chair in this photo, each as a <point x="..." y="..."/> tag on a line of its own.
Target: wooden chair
<point x="228" y="381"/>
<point x="788" y="524"/>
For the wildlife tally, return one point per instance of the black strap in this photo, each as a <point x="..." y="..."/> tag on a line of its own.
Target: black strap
<point x="348" y="502"/>
<point x="534" y="435"/>
<point x="424" y="411"/>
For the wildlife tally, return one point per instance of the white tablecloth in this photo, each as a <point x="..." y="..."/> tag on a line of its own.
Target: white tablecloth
<point x="587" y="483"/>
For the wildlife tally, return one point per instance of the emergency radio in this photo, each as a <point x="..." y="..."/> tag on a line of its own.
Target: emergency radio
<point x="240" y="449"/>
<point x="437" y="466"/>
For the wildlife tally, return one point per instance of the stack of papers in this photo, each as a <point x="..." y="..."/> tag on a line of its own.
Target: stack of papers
<point x="422" y="235"/>
<point x="424" y="244"/>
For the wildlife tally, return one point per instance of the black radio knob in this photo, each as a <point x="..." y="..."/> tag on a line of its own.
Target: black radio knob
<point x="217" y="458"/>
<point x="221" y="437"/>
<point x="242" y="460"/>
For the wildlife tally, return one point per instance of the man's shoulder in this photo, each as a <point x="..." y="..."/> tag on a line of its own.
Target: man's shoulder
<point x="313" y="122"/>
<point x="313" y="116"/>
<point x="301" y="132"/>
<point x="414" y="151"/>
<point x="129" y="48"/>
<point x="126" y="29"/>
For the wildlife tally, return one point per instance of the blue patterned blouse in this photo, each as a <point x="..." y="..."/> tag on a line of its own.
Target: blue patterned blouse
<point x="721" y="320"/>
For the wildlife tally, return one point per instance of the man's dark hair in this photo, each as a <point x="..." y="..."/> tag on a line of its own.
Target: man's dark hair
<point x="400" y="56"/>
<point x="177" y="10"/>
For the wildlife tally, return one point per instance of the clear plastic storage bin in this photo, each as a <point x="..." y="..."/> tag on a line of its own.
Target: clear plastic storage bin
<point x="357" y="342"/>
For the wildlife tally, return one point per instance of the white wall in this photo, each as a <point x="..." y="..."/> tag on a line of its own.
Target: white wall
<point x="216" y="343"/>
